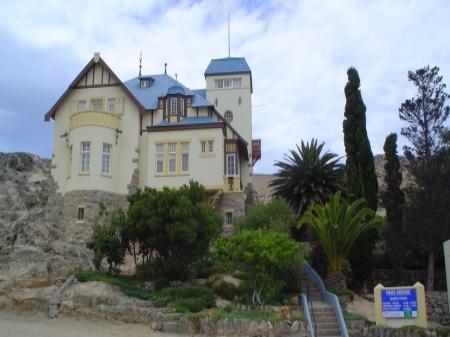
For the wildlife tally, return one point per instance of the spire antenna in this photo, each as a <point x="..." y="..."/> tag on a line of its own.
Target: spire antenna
<point x="165" y="68"/>
<point x="229" y="48"/>
<point x="140" y="64"/>
<point x="176" y="78"/>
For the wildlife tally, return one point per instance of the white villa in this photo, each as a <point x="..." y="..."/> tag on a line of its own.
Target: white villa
<point x="111" y="137"/>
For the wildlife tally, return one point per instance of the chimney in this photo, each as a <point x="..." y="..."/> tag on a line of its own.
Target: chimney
<point x="96" y="57"/>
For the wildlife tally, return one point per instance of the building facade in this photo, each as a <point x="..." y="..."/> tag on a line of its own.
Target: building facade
<point x="112" y="137"/>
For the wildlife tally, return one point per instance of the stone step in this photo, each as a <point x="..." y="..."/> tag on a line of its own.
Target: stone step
<point x="327" y="332"/>
<point x="327" y="325"/>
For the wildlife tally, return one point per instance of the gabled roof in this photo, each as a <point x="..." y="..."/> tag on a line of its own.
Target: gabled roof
<point x="160" y="86"/>
<point x="227" y="65"/>
<point x="95" y="60"/>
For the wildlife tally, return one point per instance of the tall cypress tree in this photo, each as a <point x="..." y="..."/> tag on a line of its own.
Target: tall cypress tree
<point x="360" y="170"/>
<point x="393" y="199"/>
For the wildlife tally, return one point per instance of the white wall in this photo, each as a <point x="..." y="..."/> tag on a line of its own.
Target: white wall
<point x="206" y="169"/>
<point x="123" y="153"/>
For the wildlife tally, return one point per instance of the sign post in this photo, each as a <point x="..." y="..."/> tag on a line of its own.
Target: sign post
<point x="447" y="268"/>
<point x="400" y="306"/>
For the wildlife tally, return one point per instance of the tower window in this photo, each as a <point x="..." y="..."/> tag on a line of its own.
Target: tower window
<point x="173" y="106"/>
<point x="111" y="105"/>
<point x="228" y="116"/>
<point x="106" y="158"/>
<point x="81" y="105"/>
<point x="159" y="158"/>
<point x="225" y="83"/>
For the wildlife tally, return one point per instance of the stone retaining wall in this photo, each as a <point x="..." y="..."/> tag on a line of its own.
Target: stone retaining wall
<point x="381" y="331"/>
<point x="437" y="307"/>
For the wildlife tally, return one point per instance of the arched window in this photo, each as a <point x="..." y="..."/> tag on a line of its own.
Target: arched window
<point x="228" y="116"/>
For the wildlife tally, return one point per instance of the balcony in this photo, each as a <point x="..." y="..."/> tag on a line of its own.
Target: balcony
<point x="256" y="150"/>
<point x="95" y="118"/>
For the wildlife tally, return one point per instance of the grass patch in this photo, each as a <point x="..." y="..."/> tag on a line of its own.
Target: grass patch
<point x="217" y="314"/>
<point x="185" y="299"/>
<point x="127" y="285"/>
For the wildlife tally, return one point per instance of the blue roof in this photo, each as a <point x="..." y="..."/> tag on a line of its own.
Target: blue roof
<point x="159" y="87"/>
<point x="200" y="92"/>
<point x="176" y="89"/>
<point x="189" y="121"/>
<point x="227" y="65"/>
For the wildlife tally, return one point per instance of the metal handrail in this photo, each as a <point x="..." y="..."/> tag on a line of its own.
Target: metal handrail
<point x="327" y="296"/>
<point x="306" y="314"/>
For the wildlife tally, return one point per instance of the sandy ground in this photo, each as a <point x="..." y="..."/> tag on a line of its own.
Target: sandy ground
<point x="362" y="307"/>
<point x="29" y="325"/>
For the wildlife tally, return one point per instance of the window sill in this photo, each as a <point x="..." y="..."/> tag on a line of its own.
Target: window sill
<point x="207" y="155"/>
<point x="79" y="221"/>
<point x="106" y="175"/>
<point x="84" y="173"/>
<point x="172" y="174"/>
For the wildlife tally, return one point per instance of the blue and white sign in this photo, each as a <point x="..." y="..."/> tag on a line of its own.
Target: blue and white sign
<point x="399" y="302"/>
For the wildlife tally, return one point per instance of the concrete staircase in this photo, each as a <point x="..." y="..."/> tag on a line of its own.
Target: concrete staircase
<point x="322" y="313"/>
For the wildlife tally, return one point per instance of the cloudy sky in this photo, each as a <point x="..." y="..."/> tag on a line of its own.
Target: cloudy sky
<point x="298" y="51"/>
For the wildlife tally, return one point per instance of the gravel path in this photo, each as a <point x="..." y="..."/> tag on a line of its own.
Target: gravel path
<point x="29" y="325"/>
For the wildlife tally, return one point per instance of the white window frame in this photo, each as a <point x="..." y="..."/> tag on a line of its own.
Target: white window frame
<point x="106" y="158"/>
<point x="173" y="106"/>
<point x="203" y="146"/>
<point x="181" y="106"/>
<point x="227" y="83"/>
<point x="111" y="105"/>
<point x="85" y="157"/>
<point x="184" y="157"/>
<point x="144" y="83"/>
<point x="229" y="217"/>
<point x="81" y="105"/>
<point x="96" y="100"/>
<point x="228" y="115"/>
<point x="234" y="171"/>
<point x="210" y="146"/>
<point x="172" y="157"/>
<point x="159" y="151"/>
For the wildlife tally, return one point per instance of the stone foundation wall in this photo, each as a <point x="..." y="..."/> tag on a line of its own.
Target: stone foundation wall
<point x="437" y="307"/>
<point x="81" y="231"/>
<point x="382" y="331"/>
<point x="234" y="202"/>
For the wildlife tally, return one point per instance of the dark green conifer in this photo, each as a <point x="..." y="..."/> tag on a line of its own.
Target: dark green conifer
<point x="360" y="171"/>
<point x="393" y="199"/>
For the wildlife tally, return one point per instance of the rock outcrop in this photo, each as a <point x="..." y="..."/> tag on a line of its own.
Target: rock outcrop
<point x="33" y="249"/>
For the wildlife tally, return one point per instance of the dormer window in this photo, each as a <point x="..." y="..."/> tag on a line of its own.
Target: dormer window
<point x="144" y="83"/>
<point x="175" y="106"/>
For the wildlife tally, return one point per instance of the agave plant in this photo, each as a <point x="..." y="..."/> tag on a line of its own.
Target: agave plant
<point x="337" y="225"/>
<point x="307" y="176"/>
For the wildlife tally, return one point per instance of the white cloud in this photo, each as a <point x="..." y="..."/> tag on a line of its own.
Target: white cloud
<point x="298" y="52"/>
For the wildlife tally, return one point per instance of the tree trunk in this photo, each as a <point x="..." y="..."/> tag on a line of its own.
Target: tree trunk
<point x="430" y="272"/>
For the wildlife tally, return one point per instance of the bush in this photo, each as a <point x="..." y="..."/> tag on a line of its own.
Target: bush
<point x="276" y="216"/>
<point x="228" y="291"/>
<point x="261" y="255"/>
<point x="176" y="224"/>
<point x="160" y="283"/>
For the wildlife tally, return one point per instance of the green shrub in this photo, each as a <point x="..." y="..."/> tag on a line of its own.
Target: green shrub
<point x="186" y="299"/>
<point x="261" y="256"/>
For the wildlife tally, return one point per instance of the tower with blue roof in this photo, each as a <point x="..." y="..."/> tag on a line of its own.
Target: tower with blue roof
<point x="229" y="87"/>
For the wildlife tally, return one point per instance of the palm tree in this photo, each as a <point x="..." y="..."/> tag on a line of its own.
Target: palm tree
<point x="307" y="176"/>
<point x="337" y="225"/>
